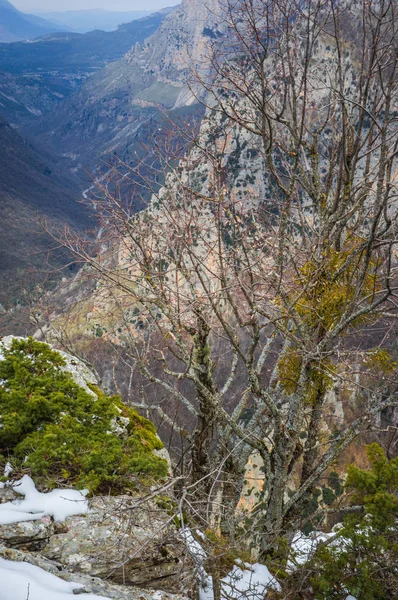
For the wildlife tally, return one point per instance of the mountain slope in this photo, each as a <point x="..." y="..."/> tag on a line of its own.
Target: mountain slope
<point x="30" y="185"/>
<point x="92" y="50"/>
<point x="120" y="99"/>
<point x="15" y="25"/>
<point x="35" y="78"/>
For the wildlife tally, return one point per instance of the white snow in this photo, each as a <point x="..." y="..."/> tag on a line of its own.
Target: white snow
<point x="20" y="581"/>
<point x="58" y="504"/>
<point x="243" y="582"/>
<point x="304" y="546"/>
<point x="8" y="469"/>
<point x="249" y="582"/>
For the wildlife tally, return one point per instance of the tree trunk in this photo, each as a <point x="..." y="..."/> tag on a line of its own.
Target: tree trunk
<point x="203" y="434"/>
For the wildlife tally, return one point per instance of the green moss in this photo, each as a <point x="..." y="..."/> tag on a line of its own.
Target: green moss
<point x="63" y="435"/>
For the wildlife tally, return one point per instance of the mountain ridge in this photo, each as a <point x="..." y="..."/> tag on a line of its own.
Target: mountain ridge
<point x="82" y="21"/>
<point x="16" y="25"/>
<point x="116" y="101"/>
<point x="33" y="83"/>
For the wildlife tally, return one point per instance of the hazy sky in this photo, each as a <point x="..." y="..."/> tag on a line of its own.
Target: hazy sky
<point x="52" y="5"/>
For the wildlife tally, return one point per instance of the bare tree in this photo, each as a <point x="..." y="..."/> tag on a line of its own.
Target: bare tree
<point x="246" y="311"/>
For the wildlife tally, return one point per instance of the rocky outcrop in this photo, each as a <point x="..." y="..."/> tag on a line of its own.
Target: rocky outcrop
<point x="127" y="542"/>
<point x="27" y="535"/>
<point x="91" y="585"/>
<point x="122" y="540"/>
<point x="130" y="540"/>
<point x="81" y="374"/>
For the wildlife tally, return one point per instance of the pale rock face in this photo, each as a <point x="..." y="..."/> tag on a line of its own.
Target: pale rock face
<point x="163" y="453"/>
<point x="31" y="535"/>
<point x="7" y="494"/>
<point x="180" y="44"/>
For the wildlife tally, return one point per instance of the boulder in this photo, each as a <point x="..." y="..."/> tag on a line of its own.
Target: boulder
<point x="27" y="535"/>
<point x="92" y="585"/>
<point x="128" y="542"/>
<point x="7" y="494"/>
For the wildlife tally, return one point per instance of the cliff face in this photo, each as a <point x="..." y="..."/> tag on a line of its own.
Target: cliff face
<point x="180" y="42"/>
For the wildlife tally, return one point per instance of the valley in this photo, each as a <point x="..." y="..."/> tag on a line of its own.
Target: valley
<point x="58" y="131"/>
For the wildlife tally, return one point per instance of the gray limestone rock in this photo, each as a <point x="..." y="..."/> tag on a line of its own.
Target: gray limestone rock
<point x="31" y="535"/>
<point x="92" y="585"/>
<point x="7" y="494"/>
<point x="125" y="542"/>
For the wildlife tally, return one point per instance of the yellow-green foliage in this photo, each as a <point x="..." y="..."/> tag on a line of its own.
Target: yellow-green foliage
<point x="319" y="375"/>
<point x="289" y="367"/>
<point x="380" y="360"/>
<point x="325" y="291"/>
<point x="61" y="434"/>
<point x="330" y="286"/>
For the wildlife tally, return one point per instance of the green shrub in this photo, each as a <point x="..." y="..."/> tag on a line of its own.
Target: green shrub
<point x="61" y="434"/>
<point x="364" y="562"/>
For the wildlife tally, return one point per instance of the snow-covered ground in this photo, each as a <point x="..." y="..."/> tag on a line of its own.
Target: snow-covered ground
<point x="244" y="582"/>
<point x="304" y="546"/>
<point x="249" y="581"/>
<point x="21" y="581"/>
<point x="58" y="504"/>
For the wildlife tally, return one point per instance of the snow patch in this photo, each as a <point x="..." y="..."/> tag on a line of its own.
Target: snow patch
<point x="303" y="547"/>
<point x="20" y="580"/>
<point x="243" y="582"/>
<point x="58" y="504"/>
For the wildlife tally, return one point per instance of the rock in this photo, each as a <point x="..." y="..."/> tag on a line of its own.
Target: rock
<point x="163" y="453"/>
<point x="126" y="542"/>
<point x="29" y="535"/>
<point x="7" y="494"/>
<point x="92" y="585"/>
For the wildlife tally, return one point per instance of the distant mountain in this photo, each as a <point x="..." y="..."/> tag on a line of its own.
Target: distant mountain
<point x="83" y="21"/>
<point x="15" y="25"/>
<point x="31" y="183"/>
<point x="116" y="108"/>
<point x="63" y="51"/>
<point x="35" y="78"/>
